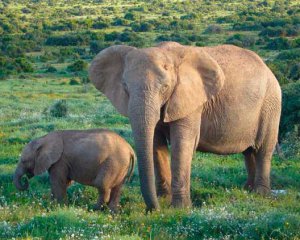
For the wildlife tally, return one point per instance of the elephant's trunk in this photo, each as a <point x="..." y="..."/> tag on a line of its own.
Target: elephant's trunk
<point x="19" y="173"/>
<point x="143" y="121"/>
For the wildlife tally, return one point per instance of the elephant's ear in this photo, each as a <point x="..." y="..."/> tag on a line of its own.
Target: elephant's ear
<point x="199" y="78"/>
<point x="48" y="151"/>
<point x="106" y="72"/>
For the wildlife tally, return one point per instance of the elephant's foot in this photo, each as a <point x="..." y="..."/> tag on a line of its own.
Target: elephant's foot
<point x="262" y="189"/>
<point x="99" y="207"/>
<point x="183" y="201"/>
<point x="249" y="185"/>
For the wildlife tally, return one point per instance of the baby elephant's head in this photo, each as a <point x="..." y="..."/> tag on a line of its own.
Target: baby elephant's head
<point x="37" y="157"/>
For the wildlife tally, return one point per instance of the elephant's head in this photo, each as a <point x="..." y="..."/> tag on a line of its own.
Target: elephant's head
<point x="37" y="157"/>
<point x="167" y="83"/>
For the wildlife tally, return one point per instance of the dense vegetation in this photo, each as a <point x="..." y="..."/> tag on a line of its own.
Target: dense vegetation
<point x="45" y="49"/>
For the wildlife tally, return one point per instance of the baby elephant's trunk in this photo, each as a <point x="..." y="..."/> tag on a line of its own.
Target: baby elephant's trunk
<point x="132" y="164"/>
<point x="19" y="173"/>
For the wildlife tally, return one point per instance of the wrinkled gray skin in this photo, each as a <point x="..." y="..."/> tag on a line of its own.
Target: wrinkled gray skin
<point x="221" y="99"/>
<point x="98" y="158"/>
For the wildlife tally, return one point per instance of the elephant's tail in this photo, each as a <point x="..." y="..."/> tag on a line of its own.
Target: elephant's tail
<point x="132" y="164"/>
<point x="279" y="151"/>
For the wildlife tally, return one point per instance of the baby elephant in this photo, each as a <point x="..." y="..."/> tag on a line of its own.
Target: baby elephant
<point x="98" y="158"/>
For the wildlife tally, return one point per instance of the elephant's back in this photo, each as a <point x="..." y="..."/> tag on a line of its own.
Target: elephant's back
<point x="231" y="120"/>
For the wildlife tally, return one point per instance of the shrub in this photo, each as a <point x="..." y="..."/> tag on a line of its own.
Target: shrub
<point x="289" y="55"/>
<point x="291" y="143"/>
<point x="213" y="29"/>
<point x="181" y="38"/>
<point x="189" y="16"/>
<point x="59" y="109"/>
<point x="51" y="69"/>
<point x="247" y="26"/>
<point x="120" y="22"/>
<point x="130" y="16"/>
<point x="23" y="65"/>
<point x="74" y="81"/>
<point x="100" y="24"/>
<point x="294" y="73"/>
<point x="296" y="43"/>
<point x="97" y="46"/>
<point x="278" y="44"/>
<point x="273" y="32"/>
<point x="77" y="66"/>
<point x="111" y="36"/>
<point x="66" y="40"/>
<point x="290" y="116"/>
<point x="143" y="27"/>
<point x="241" y="40"/>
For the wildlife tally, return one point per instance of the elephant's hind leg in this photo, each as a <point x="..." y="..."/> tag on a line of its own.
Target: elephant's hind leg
<point x="161" y="164"/>
<point x="263" y="169"/>
<point x="250" y="164"/>
<point x="115" y="198"/>
<point x="103" y="199"/>
<point x="266" y="142"/>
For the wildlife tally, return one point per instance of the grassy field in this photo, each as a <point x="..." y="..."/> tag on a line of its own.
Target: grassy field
<point x="222" y="209"/>
<point x="37" y="36"/>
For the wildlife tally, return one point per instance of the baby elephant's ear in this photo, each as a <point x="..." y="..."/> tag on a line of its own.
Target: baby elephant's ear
<point x="48" y="151"/>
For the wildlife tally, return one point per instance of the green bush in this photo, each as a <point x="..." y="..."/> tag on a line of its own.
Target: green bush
<point x="290" y="116"/>
<point x="181" y="38"/>
<point x="273" y="32"/>
<point x="289" y="55"/>
<point x="294" y="73"/>
<point x="59" y="109"/>
<point x="77" y="66"/>
<point x="247" y="26"/>
<point x="241" y="40"/>
<point x="66" y="40"/>
<point x="130" y="16"/>
<point x="142" y="27"/>
<point x="100" y="24"/>
<point x="291" y="143"/>
<point x="213" y="29"/>
<point x="120" y="22"/>
<point x="51" y="69"/>
<point x="23" y="65"/>
<point x="74" y="81"/>
<point x="278" y="44"/>
<point x="97" y="46"/>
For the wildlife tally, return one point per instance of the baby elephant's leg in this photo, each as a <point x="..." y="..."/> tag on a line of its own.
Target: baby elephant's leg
<point x="115" y="198"/>
<point x="59" y="183"/>
<point x="58" y="187"/>
<point x="103" y="199"/>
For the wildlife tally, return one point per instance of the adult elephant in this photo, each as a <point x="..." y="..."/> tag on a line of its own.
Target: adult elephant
<point x="221" y="99"/>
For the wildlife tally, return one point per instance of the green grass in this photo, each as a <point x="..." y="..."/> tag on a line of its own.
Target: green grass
<point x="222" y="209"/>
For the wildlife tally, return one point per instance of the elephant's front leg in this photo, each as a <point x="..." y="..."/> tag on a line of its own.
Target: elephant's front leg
<point x="59" y="182"/>
<point x="184" y="135"/>
<point x="58" y="188"/>
<point x="161" y="163"/>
